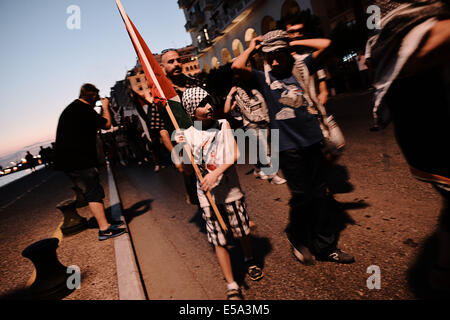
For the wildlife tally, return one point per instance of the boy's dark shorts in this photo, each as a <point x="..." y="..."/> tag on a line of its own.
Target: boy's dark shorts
<point x="89" y="182"/>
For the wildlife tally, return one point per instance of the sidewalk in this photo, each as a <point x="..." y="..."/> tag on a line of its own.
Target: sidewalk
<point x="33" y="217"/>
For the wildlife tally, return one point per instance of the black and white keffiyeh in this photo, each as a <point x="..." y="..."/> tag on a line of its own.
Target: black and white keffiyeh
<point x="404" y="24"/>
<point x="192" y="98"/>
<point x="275" y="40"/>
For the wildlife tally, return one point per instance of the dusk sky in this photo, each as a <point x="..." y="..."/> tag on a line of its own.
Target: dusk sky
<point x="43" y="63"/>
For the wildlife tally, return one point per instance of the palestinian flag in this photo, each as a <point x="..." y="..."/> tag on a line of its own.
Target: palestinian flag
<point x="163" y="93"/>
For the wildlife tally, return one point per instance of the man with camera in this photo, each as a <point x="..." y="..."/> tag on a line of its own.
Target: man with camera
<point x="76" y="153"/>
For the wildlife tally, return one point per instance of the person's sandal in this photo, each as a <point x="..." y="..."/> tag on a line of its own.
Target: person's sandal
<point x="234" y="294"/>
<point x="255" y="273"/>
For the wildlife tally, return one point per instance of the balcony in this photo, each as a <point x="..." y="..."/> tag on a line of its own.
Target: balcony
<point x="184" y="4"/>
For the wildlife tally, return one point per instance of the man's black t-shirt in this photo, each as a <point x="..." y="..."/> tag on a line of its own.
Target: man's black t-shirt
<point x="76" y="146"/>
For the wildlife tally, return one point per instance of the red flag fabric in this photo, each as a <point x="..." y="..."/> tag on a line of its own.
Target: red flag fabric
<point x="161" y="88"/>
<point x="168" y="92"/>
<point x="163" y="91"/>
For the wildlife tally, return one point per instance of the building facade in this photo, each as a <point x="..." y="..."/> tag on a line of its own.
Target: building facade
<point x="222" y="29"/>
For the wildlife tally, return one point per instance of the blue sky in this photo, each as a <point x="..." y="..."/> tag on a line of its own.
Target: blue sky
<point x="43" y="63"/>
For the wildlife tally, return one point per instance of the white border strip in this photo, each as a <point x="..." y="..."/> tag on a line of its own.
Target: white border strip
<point x="128" y="278"/>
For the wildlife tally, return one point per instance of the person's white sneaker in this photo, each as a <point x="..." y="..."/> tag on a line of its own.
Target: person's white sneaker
<point x="303" y="255"/>
<point x="260" y="175"/>
<point x="156" y="168"/>
<point x="277" y="180"/>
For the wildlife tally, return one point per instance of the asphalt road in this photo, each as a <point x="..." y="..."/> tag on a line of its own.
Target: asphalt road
<point x="387" y="219"/>
<point x="28" y="214"/>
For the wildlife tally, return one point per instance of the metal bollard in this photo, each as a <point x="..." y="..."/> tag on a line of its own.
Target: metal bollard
<point x="79" y="198"/>
<point x="73" y="222"/>
<point x="51" y="275"/>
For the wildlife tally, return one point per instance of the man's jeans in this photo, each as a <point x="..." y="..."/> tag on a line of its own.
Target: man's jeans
<point x="261" y="133"/>
<point x="312" y="208"/>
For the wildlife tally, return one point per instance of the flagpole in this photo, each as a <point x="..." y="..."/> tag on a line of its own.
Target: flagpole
<point x="145" y="62"/>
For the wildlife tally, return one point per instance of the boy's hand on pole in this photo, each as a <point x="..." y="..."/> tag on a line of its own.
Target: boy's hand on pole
<point x="209" y="181"/>
<point x="179" y="136"/>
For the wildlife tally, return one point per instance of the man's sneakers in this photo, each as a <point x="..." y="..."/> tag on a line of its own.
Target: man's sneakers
<point x="274" y="179"/>
<point x="339" y="256"/>
<point x="277" y="180"/>
<point x="116" y="224"/>
<point x="260" y="174"/>
<point x="302" y="254"/>
<point x="110" y="233"/>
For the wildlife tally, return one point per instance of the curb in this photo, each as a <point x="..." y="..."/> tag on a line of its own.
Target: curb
<point x="128" y="275"/>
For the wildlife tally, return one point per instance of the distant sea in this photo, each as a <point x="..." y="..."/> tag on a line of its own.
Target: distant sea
<point x="4" y="180"/>
<point x="5" y="160"/>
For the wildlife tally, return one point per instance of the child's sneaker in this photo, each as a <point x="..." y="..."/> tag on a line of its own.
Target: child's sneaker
<point x="110" y="233"/>
<point x="234" y="294"/>
<point x="254" y="272"/>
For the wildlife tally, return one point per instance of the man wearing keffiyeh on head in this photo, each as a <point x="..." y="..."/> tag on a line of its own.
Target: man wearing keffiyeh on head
<point x="410" y="55"/>
<point x="311" y="228"/>
<point x="172" y="66"/>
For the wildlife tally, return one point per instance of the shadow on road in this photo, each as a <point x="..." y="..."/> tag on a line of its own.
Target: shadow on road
<point x="418" y="273"/>
<point x="341" y="218"/>
<point x="360" y="204"/>
<point x="261" y="248"/>
<point x="17" y="294"/>
<point x="337" y="178"/>
<point x="137" y="209"/>
<point x="199" y="221"/>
